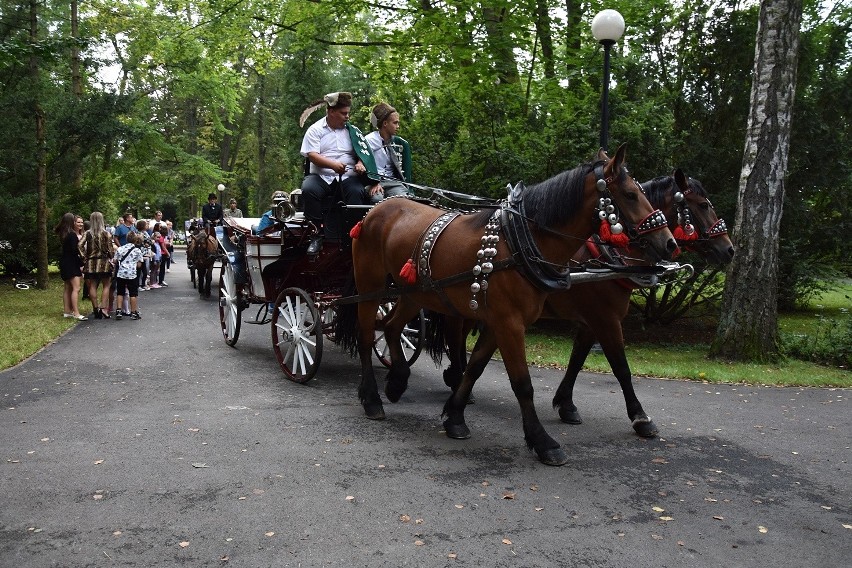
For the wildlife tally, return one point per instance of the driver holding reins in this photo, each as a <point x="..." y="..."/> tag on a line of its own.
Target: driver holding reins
<point x="339" y="158"/>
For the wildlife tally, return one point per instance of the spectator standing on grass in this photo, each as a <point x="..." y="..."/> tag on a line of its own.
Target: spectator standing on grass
<point x="128" y="258"/>
<point x="97" y="248"/>
<point x="70" y="264"/>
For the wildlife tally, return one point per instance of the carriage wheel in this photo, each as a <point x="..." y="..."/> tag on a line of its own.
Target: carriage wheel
<point x="297" y="335"/>
<point x="230" y="307"/>
<point x="411" y="339"/>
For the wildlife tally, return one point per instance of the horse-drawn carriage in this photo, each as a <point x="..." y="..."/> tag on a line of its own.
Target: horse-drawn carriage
<point x="498" y="266"/>
<point x="293" y="291"/>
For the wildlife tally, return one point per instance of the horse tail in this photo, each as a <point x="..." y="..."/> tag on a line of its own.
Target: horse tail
<point x="435" y="338"/>
<point x="346" y="322"/>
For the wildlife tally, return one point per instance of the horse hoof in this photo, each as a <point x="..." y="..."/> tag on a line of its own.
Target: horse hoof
<point x="374" y="411"/>
<point x="570" y="416"/>
<point x="645" y="427"/>
<point x="552" y="456"/>
<point x="394" y="390"/>
<point x="457" y="431"/>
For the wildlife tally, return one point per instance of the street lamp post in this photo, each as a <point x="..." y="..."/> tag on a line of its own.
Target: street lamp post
<point x="607" y="27"/>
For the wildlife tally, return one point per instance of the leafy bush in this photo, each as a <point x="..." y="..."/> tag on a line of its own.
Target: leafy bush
<point x="830" y="344"/>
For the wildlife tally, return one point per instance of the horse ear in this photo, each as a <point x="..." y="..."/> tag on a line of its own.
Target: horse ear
<point x="680" y="180"/>
<point x="601" y="156"/>
<point x="618" y="160"/>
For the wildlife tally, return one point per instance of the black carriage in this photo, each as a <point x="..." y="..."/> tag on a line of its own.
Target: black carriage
<point x="294" y="292"/>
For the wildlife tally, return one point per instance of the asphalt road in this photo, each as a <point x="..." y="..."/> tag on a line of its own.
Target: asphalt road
<point x="152" y="443"/>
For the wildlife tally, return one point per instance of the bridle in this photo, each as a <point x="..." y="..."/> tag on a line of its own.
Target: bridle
<point x="612" y="231"/>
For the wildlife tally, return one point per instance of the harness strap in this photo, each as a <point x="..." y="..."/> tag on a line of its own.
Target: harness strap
<point x="526" y="254"/>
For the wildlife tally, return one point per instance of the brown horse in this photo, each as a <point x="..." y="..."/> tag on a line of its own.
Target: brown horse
<point x="495" y="266"/>
<point x="600" y="307"/>
<point x="202" y="253"/>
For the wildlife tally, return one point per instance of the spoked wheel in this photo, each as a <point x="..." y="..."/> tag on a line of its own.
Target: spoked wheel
<point x="230" y="306"/>
<point x="297" y="335"/>
<point x="411" y="339"/>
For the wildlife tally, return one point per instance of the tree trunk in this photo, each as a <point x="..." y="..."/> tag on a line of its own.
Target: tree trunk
<point x="41" y="153"/>
<point x="77" y="92"/>
<point x="748" y="326"/>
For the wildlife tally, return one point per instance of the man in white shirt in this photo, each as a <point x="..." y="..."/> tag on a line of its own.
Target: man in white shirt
<point x="338" y="156"/>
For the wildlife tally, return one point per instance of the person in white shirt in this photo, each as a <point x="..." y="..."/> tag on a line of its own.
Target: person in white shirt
<point x="339" y="159"/>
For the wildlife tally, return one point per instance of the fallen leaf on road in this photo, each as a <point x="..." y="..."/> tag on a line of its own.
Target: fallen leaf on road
<point x="681" y="543"/>
<point x="99" y="462"/>
<point x="666" y="518"/>
<point x="507" y="541"/>
<point x="350" y="498"/>
<point x="657" y="509"/>
<point x="183" y="544"/>
<point x="659" y="460"/>
<point x="404" y="518"/>
<point x="451" y="555"/>
<point x="419" y="543"/>
<point x="459" y="506"/>
<point x="718" y="517"/>
<point x="826" y="507"/>
<point x="656" y="537"/>
<point x="847" y="526"/>
<point x="539" y="508"/>
<point x="508" y="495"/>
<point x="762" y="529"/>
<point x="270" y="533"/>
<point x="200" y="464"/>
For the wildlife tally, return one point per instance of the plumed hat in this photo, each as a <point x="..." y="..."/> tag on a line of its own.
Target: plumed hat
<point x="331" y="100"/>
<point x="380" y="113"/>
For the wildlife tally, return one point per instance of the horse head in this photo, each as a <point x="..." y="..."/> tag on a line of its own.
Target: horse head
<point x="626" y="216"/>
<point x="696" y="225"/>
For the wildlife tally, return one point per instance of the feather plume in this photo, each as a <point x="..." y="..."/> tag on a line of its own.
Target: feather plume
<point x="309" y="111"/>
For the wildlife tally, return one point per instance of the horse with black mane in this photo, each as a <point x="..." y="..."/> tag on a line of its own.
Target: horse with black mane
<point x="497" y="266"/>
<point x="600" y="307"/>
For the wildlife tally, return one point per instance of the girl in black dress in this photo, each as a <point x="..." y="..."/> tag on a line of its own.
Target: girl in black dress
<point x="70" y="263"/>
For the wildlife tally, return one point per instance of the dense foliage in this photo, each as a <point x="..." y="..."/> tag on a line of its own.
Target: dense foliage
<point x="180" y="95"/>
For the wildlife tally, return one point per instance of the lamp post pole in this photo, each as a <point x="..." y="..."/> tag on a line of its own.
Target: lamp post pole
<point x="607" y="27"/>
<point x="223" y="195"/>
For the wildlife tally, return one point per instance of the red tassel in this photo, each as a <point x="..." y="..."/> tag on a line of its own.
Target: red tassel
<point x="620" y="240"/>
<point x="409" y="272"/>
<point x="681" y="235"/>
<point x="355" y="232"/>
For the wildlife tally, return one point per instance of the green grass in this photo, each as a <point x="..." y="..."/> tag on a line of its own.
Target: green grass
<point x="31" y="319"/>
<point x="552" y="348"/>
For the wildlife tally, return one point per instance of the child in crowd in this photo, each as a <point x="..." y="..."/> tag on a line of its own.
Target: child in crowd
<point x="142" y="231"/>
<point x="155" y="258"/>
<point x="128" y="258"/>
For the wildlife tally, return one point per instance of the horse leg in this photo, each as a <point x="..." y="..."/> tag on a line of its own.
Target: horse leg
<point x="454" y="424"/>
<point x="510" y="340"/>
<point x="563" y="400"/>
<point x="455" y="336"/>
<point x="208" y="281"/>
<point x="397" y="378"/>
<point x="613" y="348"/>
<point x="368" y="390"/>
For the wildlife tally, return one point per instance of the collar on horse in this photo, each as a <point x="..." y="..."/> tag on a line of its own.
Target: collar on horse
<point x="525" y="252"/>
